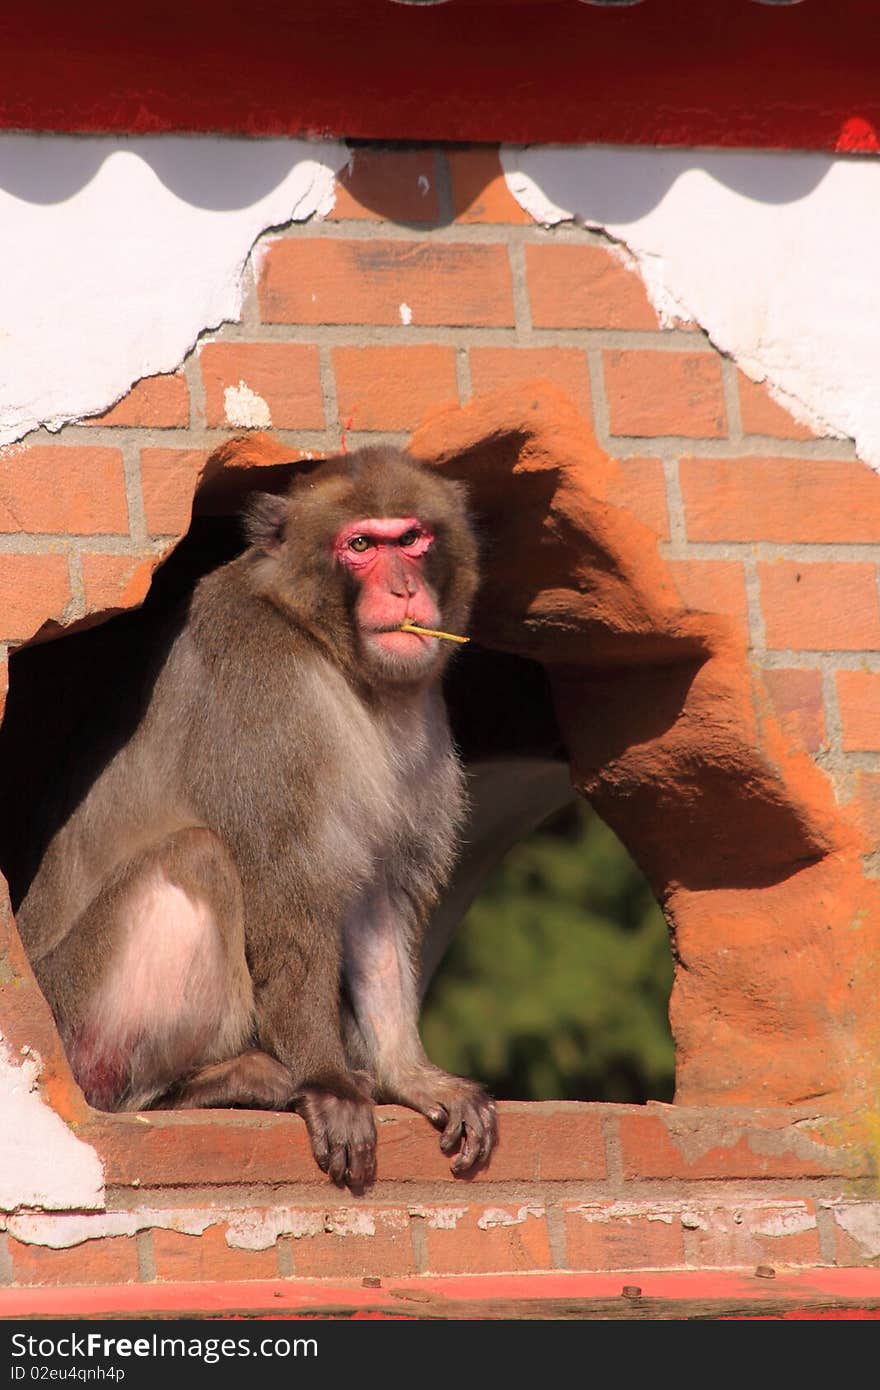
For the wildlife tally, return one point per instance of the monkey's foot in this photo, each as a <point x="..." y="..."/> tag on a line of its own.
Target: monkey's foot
<point x="254" y="1081"/>
<point x="342" y="1131"/>
<point x="462" y="1109"/>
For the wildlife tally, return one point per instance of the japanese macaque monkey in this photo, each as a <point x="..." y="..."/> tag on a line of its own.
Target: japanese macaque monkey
<point x="232" y="913"/>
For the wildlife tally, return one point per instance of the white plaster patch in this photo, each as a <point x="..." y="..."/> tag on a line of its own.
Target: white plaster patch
<point x="498" y="1216"/>
<point x="405" y="314"/>
<point x="120" y="251"/>
<point x="773" y="254"/>
<point x="626" y="1211"/>
<point x="42" y="1164"/>
<point x="246" y="1229"/>
<point x="259" y="1230"/>
<point x="245" y="409"/>
<point x="861" y="1221"/>
<point x="439" y="1218"/>
<point x="786" y="1221"/>
<point x="424" y="184"/>
<point x="62" y="1232"/>
<point x="351" y="1221"/>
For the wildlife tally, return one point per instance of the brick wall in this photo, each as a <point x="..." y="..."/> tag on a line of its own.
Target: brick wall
<point x="428" y="284"/>
<point x="572" y="1188"/>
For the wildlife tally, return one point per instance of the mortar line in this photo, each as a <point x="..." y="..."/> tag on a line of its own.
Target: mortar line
<point x="598" y="398"/>
<point x="556" y="1234"/>
<point x="463" y="375"/>
<point x="196" y="386"/>
<point x="677" y="545"/>
<point x="522" y="309"/>
<point x="131" y="464"/>
<point x="757" y="626"/>
<point x="77" y="606"/>
<point x="146" y="1256"/>
<point x="284" y="1250"/>
<point x="419" y="1242"/>
<point x="333" y="425"/>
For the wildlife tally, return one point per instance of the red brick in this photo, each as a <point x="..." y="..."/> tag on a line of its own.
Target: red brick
<point x="62" y="489"/>
<point x="392" y="388"/>
<point x="654" y="393"/>
<point x="190" y="1148"/>
<point x="316" y="280"/>
<point x="799" y="705"/>
<point x="286" y="376"/>
<point x="105" y="1260"/>
<point x="394" y="185"/>
<point x="365" y="1240"/>
<point x="606" y="1235"/>
<point x="768" y="1233"/>
<point x="479" y="188"/>
<point x="761" y="414"/>
<point x="168" y="483"/>
<point x="182" y="1258"/>
<point x="549" y="1141"/>
<point x="712" y="586"/>
<point x="116" y="581"/>
<point x="156" y="402"/>
<point x="698" y="1143"/>
<point x="858" y="695"/>
<point x="495" y="367"/>
<point x="33" y="589"/>
<point x="486" y="1239"/>
<point x="641" y="488"/>
<point x="585" y="287"/>
<point x="780" y="499"/>
<point x="820" y="606"/>
<point x="541" y="1141"/>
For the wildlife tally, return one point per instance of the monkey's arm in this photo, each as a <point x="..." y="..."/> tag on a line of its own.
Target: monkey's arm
<point x="381" y="952"/>
<point x="296" y="973"/>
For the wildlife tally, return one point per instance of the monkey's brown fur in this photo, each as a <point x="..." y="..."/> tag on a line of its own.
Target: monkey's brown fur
<point x="232" y="913"/>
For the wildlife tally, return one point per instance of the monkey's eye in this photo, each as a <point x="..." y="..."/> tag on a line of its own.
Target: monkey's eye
<point x="360" y="544"/>
<point x="410" y="537"/>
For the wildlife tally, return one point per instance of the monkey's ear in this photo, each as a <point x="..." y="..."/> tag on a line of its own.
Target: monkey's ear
<point x="264" y="520"/>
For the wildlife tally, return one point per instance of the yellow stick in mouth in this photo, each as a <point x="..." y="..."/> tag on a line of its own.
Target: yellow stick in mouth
<point x="432" y="632"/>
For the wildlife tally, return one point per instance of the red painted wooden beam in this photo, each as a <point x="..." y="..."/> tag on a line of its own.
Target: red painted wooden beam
<point x="816" y="1293"/>
<point x="671" y="72"/>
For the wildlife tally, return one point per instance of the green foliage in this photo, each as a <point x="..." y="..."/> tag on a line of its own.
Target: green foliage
<point x="557" y="983"/>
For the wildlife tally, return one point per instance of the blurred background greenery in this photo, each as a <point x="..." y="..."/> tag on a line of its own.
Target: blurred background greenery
<point x="557" y="983"/>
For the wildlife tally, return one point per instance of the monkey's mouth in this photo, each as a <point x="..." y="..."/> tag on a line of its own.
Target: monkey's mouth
<point x="395" y="642"/>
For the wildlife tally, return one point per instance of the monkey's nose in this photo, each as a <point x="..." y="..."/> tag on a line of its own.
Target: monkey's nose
<point x="401" y="583"/>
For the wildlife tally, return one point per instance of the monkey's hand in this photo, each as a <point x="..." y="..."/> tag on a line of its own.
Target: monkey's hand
<point x="462" y="1109"/>
<point x="466" y="1114"/>
<point x="342" y="1130"/>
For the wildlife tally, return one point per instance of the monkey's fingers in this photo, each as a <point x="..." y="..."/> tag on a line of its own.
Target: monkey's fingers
<point x="342" y="1131"/>
<point x="471" y="1128"/>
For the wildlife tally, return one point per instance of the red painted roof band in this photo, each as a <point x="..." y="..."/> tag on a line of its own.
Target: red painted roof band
<point x="801" y="1294"/>
<point x="668" y="72"/>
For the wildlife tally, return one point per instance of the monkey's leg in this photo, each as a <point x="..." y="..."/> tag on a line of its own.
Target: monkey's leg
<point x="151" y="982"/>
<point x="296" y="973"/>
<point x="381" y="985"/>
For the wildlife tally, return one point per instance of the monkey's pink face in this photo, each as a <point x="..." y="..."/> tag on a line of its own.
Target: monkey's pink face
<point x="385" y="557"/>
